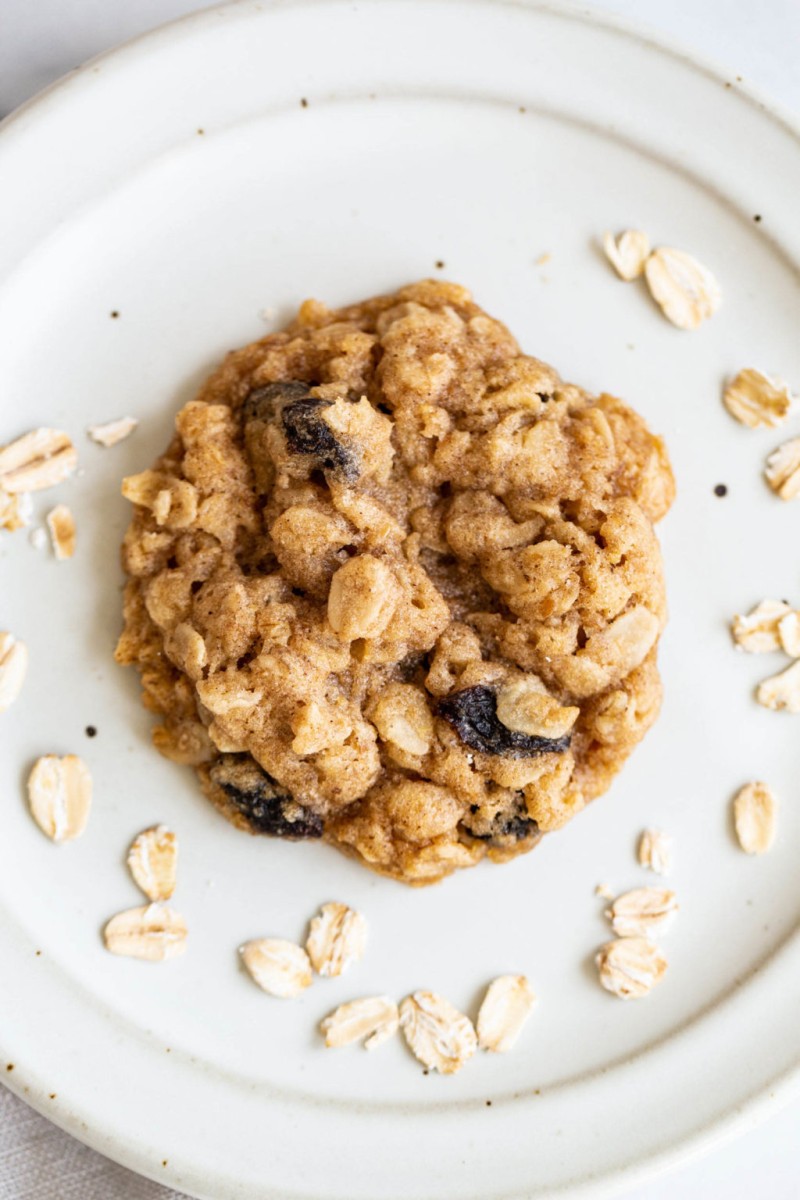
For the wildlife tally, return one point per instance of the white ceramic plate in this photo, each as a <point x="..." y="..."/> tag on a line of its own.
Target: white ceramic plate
<point x="181" y="183"/>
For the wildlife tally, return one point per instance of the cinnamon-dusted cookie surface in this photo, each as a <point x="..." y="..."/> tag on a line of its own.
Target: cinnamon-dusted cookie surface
<point x="395" y="585"/>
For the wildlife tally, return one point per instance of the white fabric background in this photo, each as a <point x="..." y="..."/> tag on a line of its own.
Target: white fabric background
<point x="40" y="40"/>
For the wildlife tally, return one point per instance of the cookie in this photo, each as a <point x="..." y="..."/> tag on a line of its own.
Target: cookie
<point x="395" y="585"/>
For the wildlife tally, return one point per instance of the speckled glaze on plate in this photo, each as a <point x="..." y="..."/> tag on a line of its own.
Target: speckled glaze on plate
<point x="229" y="166"/>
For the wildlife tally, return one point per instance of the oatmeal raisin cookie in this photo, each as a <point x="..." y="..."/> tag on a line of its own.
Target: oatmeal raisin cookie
<point x="395" y="585"/>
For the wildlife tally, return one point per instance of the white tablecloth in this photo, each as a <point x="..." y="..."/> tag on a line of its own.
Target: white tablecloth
<point x="40" y="40"/>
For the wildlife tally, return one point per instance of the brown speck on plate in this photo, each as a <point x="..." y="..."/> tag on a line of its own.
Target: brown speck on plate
<point x="114" y="314"/>
<point x="721" y="489"/>
<point x="304" y="103"/>
<point x="439" y="264"/>
<point x="200" y="132"/>
<point x="757" y="218"/>
<point x="91" y="731"/>
<point x="10" y="1067"/>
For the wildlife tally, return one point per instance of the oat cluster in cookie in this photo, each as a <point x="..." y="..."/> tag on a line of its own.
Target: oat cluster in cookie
<point x="396" y="585"/>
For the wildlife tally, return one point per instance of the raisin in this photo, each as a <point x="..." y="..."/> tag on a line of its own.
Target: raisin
<point x="259" y="798"/>
<point x="307" y="433"/>
<point x="506" y="828"/>
<point x="473" y="714"/>
<point x="261" y="403"/>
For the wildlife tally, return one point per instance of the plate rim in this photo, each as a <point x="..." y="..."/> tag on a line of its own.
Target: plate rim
<point x="786" y="1085"/>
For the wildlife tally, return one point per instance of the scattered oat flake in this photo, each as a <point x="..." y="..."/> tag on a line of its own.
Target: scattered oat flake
<point x="39" y="459"/>
<point x="755" y="812"/>
<point x="630" y="967"/>
<point x="61" y="524"/>
<point x="112" y="431"/>
<point x="60" y="796"/>
<point x="15" y="511"/>
<point x="758" y="632"/>
<point x="337" y="938"/>
<point x="153" y="862"/>
<point x="757" y="400"/>
<point x="684" y="289"/>
<point x="279" y="967"/>
<point x="627" y="253"/>
<point x="783" y="469"/>
<point x="373" y="1018"/>
<point x="604" y="891"/>
<point x="781" y="692"/>
<point x="508" y="1003"/>
<point x="643" y="912"/>
<point x="13" y="668"/>
<point x="543" y="259"/>
<point x="789" y="633"/>
<point x="153" y="932"/>
<point x="655" y="851"/>
<point x="38" y="538"/>
<point x="440" y="1036"/>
